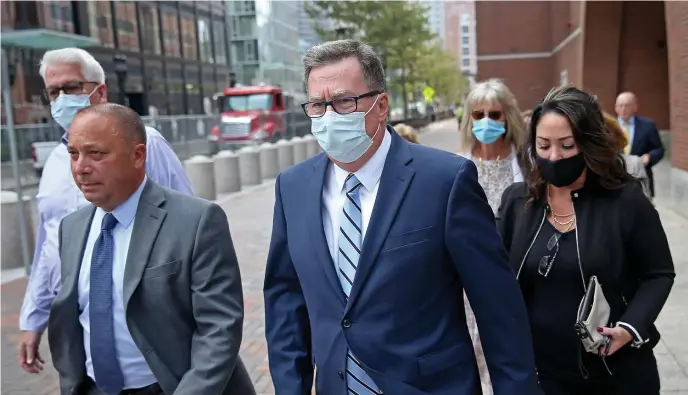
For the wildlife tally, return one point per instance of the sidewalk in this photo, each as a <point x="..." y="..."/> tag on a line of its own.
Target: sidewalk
<point x="250" y="218"/>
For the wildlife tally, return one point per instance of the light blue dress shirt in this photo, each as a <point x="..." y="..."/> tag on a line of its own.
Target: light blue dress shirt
<point x="59" y="196"/>
<point x="134" y="367"/>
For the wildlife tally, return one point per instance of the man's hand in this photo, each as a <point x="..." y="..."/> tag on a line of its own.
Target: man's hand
<point x="645" y="158"/>
<point x="619" y="338"/>
<point x="29" y="357"/>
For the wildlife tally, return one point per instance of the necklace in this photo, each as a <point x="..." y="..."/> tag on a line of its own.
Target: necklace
<point x="568" y="223"/>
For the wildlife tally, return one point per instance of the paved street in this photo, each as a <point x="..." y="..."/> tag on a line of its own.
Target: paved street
<point x="250" y="215"/>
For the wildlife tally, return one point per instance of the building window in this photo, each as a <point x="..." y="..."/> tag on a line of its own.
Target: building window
<point x="58" y="16"/>
<point x="100" y="22"/>
<point x="464" y="40"/>
<point x="205" y="48"/>
<point x="189" y="37"/>
<point x="170" y="34"/>
<point x="464" y="29"/>
<point x="243" y="6"/>
<point x="150" y="29"/>
<point x="465" y="18"/>
<point x="465" y="62"/>
<point x="219" y="42"/>
<point x="127" y="28"/>
<point x="243" y="26"/>
<point x="464" y="51"/>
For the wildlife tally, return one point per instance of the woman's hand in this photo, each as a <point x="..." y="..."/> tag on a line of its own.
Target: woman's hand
<point x="619" y="338"/>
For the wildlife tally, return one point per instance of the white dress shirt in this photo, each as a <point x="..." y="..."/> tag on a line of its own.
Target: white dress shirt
<point x="333" y="196"/>
<point x="134" y="367"/>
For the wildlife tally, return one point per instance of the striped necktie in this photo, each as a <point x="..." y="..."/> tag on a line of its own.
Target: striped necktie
<point x="350" y="242"/>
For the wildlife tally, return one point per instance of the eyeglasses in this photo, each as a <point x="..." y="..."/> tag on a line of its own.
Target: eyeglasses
<point x="341" y="105"/>
<point x="480" y="114"/>
<point x="70" y="88"/>
<point x="547" y="261"/>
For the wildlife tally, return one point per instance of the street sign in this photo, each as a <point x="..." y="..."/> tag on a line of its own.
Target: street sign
<point x="428" y="94"/>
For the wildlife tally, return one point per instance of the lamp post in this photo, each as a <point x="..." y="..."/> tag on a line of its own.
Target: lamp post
<point x="121" y="68"/>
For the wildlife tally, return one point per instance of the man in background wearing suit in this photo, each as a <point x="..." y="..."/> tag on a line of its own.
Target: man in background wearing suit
<point x="151" y="298"/>
<point x="373" y="244"/>
<point x="642" y="134"/>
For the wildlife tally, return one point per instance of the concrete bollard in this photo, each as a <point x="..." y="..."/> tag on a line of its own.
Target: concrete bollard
<point x="201" y="172"/>
<point x="227" y="177"/>
<point x="268" y="161"/>
<point x="312" y="146"/>
<point x="285" y="154"/>
<point x="300" y="148"/>
<point x="249" y="166"/>
<point x="10" y="249"/>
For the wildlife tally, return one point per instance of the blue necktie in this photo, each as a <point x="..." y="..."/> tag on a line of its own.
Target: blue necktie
<point x="350" y="242"/>
<point x="106" y="368"/>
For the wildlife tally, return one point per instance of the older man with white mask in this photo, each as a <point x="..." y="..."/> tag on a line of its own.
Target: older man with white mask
<point x="73" y="80"/>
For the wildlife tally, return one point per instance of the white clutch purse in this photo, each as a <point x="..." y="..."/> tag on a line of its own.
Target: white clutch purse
<point x="593" y="313"/>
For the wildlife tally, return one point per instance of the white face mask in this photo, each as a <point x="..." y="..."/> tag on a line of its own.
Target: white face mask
<point x="343" y="136"/>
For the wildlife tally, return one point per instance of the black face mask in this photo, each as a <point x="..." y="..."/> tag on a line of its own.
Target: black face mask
<point x="563" y="172"/>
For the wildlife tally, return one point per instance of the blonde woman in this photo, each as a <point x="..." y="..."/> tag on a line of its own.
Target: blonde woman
<point x="491" y="131"/>
<point x="407" y="132"/>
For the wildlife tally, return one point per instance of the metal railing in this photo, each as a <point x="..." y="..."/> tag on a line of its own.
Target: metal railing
<point x="177" y="129"/>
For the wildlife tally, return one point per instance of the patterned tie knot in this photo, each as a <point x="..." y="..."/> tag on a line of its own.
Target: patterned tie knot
<point x="351" y="184"/>
<point x="109" y="222"/>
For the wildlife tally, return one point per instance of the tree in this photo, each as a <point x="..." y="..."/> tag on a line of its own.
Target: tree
<point x="439" y="69"/>
<point x="398" y="31"/>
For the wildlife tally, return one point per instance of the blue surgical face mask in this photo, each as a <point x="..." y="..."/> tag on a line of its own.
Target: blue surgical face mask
<point x="343" y="136"/>
<point x="487" y="131"/>
<point x="65" y="107"/>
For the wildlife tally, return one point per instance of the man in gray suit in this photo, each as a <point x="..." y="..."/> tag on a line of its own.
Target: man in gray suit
<point x="151" y="299"/>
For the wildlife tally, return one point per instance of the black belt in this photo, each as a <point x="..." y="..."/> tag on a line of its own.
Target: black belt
<point x="153" y="389"/>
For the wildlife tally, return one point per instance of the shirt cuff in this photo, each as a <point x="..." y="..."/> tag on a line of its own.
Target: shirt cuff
<point x="637" y="339"/>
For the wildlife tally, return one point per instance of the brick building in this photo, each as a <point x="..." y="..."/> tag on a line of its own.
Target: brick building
<point x="602" y="47"/>
<point x="177" y="52"/>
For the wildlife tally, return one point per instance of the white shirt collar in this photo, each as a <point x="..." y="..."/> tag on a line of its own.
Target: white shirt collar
<point x="369" y="175"/>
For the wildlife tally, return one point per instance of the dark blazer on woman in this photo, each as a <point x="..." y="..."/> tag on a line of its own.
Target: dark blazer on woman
<point x="621" y="240"/>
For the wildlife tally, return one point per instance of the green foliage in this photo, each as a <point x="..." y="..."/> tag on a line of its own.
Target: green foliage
<point x="400" y="34"/>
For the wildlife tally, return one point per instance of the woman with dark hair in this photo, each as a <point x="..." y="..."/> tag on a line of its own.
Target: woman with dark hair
<point x="580" y="214"/>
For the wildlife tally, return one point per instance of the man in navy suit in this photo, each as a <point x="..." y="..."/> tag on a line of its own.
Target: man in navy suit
<point x="642" y="134"/>
<point x="373" y="244"/>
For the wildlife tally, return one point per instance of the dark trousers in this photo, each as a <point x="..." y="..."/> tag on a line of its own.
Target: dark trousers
<point x="634" y="373"/>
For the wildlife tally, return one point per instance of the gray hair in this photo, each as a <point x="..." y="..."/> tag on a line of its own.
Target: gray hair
<point x="492" y="91"/>
<point x="333" y="51"/>
<point x="90" y="68"/>
<point x="128" y="121"/>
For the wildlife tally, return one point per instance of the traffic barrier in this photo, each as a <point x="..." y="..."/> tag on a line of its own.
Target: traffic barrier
<point x="227" y="175"/>
<point x="285" y="154"/>
<point x="312" y="146"/>
<point x="249" y="166"/>
<point x="10" y="249"/>
<point x="268" y="161"/>
<point x="201" y="172"/>
<point x="300" y="149"/>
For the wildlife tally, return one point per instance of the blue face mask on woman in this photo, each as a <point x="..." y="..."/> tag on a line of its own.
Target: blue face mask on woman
<point x="487" y="131"/>
<point x="65" y="107"/>
<point x="343" y="136"/>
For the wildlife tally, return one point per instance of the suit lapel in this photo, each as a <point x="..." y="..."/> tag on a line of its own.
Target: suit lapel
<point x="315" y="224"/>
<point x="75" y="254"/>
<point x="147" y="223"/>
<point x="394" y="182"/>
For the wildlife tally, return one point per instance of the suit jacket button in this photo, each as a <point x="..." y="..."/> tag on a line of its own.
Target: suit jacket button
<point x="346" y="323"/>
<point x="340" y="374"/>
